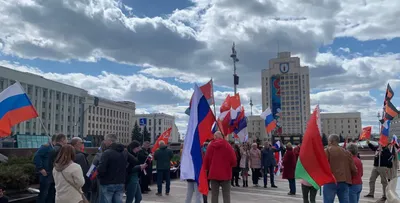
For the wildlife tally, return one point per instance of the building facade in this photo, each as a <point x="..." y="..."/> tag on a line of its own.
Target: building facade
<point x="395" y="127"/>
<point x="108" y="117"/>
<point x="256" y="128"/>
<point x="286" y="90"/>
<point x="156" y="124"/>
<point x="346" y="124"/>
<point x="59" y="105"/>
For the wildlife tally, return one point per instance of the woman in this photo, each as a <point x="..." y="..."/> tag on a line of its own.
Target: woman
<point x="289" y="166"/>
<point x="306" y="189"/>
<point x="95" y="197"/>
<point x="244" y="164"/>
<point x="255" y="163"/>
<point x="68" y="177"/>
<point x="133" y="190"/>
<point x="236" y="169"/>
<point x="356" y="186"/>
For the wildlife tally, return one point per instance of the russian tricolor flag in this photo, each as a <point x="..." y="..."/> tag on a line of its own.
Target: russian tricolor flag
<point x="278" y="158"/>
<point x="92" y="173"/>
<point x="15" y="107"/>
<point x="270" y="122"/>
<point x="200" y="122"/>
<point x="384" y="138"/>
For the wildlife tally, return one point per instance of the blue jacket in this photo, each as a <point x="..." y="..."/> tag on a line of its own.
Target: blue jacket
<point x="41" y="158"/>
<point x="267" y="157"/>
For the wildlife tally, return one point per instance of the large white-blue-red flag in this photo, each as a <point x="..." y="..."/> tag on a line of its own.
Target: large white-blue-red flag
<point x="199" y="130"/>
<point x="15" y="107"/>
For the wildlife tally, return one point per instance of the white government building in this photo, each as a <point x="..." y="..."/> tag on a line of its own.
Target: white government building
<point x="69" y="110"/>
<point x="292" y="85"/>
<point x="157" y="123"/>
<point x="346" y="124"/>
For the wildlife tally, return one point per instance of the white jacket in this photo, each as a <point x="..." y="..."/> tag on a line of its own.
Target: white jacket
<point x="65" y="193"/>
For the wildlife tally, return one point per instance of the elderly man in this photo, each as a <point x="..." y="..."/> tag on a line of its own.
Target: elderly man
<point x="81" y="159"/>
<point x="342" y="167"/>
<point x="219" y="161"/>
<point x="268" y="163"/>
<point x="163" y="157"/>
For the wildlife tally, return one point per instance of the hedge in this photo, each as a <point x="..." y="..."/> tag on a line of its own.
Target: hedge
<point x="18" y="173"/>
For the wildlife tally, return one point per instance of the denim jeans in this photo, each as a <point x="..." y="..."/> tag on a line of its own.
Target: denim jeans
<point x="269" y="170"/>
<point x="44" y="187"/>
<point x="292" y="186"/>
<point x="192" y="189"/>
<point x="161" y="174"/>
<point x="354" y="193"/>
<point x="331" y="190"/>
<point x="133" y="191"/>
<point x="111" y="193"/>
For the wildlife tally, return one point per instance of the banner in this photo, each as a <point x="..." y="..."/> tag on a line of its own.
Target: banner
<point x="276" y="100"/>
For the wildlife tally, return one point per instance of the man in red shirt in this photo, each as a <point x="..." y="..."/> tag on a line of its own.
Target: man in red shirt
<point x="218" y="162"/>
<point x="356" y="186"/>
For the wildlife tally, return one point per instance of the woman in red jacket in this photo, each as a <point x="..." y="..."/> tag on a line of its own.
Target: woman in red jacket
<point x="289" y="166"/>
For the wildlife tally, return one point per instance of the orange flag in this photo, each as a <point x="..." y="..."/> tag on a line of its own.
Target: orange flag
<point x="164" y="137"/>
<point x="366" y="133"/>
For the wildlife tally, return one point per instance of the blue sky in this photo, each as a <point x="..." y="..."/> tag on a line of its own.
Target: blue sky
<point x="152" y="52"/>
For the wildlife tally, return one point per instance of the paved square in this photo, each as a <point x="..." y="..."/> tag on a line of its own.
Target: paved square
<point x="251" y="194"/>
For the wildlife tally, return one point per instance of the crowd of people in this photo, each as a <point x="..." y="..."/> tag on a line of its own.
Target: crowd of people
<point x="64" y="167"/>
<point x="63" y="171"/>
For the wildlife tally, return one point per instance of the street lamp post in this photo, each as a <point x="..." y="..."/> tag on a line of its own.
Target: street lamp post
<point x="235" y="77"/>
<point x="251" y="106"/>
<point x="379" y="121"/>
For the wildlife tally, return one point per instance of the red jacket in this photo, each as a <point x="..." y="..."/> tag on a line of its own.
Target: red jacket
<point x="356" y="180"/>
<point x="219" y="160"/>
<point x="289" y="164"/>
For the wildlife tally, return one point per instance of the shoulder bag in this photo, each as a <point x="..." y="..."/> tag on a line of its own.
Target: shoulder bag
<point x="84" y="199"/>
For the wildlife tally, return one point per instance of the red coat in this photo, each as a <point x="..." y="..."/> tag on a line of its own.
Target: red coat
<point x="219" y="160"/>
<point x="289" y="164"/>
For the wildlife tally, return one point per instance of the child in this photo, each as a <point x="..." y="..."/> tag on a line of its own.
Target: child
<point x="3" y="199"/>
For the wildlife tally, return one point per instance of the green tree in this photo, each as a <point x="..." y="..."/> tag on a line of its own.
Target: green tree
<point x="136" y="134"/>
<point x="324" y="140"/>
<point x="146" y="134"/>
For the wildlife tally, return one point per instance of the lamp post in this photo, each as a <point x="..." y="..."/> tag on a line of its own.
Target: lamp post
<point x="235" y="77"/>
<point x="251" y="106"/>
<point x="379" y="116"/>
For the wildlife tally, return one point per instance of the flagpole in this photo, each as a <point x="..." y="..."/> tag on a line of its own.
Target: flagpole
<point x="215" y="111"/>
<point x="45" y="129"/>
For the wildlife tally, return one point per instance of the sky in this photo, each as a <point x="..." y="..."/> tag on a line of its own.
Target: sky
<point x="153" y="52"/>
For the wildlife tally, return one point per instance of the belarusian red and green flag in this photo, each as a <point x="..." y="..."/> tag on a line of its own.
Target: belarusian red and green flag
<point x="313" y="165"/>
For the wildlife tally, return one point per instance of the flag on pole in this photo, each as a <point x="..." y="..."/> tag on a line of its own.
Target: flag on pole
<point x="15" y="107"/>
<point x="394" y="140"/>
<point x="164" y="137"/>
<point x="384" y="138"/>
<point x="270" y="122"/>
<point x="313" y="166"/>
<point x="92" y="173"/>
<point x="366" y="133"/>
<point x="278" y="157"/>
<point x="200" y="122"/>
<point x="207" y="91"/>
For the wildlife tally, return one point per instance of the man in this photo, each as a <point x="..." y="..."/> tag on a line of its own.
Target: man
<point x="218" y="162"/>
<point x="382" y="161"/>
<point x="145" y="175"/>
<point x="163" y="157"/>
<point x="61" y="140"/>
<point x="342" y="167"/>
<point x="81" y="159"/>
<point x="41" y="160"/>
<point x="112" y="170"/>
<point x="268" y="163"/>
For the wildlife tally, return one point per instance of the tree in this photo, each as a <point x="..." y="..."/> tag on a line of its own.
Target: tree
<point x="324" y="140"/>
<point x="341" y="138"/>
<point x="146" y="134"/>
<point x="136" y="134"/>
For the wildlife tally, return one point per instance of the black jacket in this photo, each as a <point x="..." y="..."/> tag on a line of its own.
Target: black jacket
<point x="52" y="158"/>
<point x="163" y="158"/>
<point x="142" y="156"/>
<point x="113" y="165"/>
<point x="385" y="158"/>
<point x="81" y="159"/>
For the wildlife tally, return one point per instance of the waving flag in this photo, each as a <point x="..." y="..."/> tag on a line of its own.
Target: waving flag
<point x="366" y="133"/>
<point x="207" y="91"/>
<point x="92" y="173"/>
<point x="389" y="94"/>
<point x="241" y="127"/>
<point x="270" y="122"/>
<point x="15" y="107"/>
<point x="312" y="165"/>
<point x="224" y="117"/>
<point x="278" y="158"/>
<point x="390" y="111"/>
<point x="235" y="109"/>
<point x="164" y="137"/>
<point x="384" y="138"/>
<point x="394" y="140"/>
<point x="200" y="122"/>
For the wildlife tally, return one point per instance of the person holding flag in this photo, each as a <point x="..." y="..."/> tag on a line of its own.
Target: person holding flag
<point x="268" y="163"/>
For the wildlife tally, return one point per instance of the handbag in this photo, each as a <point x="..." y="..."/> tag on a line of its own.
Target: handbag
<point x="84" y="199"/>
